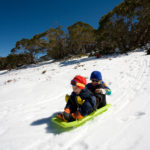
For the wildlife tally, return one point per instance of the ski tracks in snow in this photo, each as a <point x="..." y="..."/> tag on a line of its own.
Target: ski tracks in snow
<point x="45" y="96"/>
<point x="129" y="109"/>
<point x="131" y="83"/>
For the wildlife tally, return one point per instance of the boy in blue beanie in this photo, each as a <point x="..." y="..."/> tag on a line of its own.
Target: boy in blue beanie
<point x="99" y="88"/>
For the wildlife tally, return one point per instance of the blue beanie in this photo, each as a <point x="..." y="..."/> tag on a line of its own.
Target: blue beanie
<point x="96" y="75"/>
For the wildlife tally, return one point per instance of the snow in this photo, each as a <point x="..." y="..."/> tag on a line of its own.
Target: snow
<point x="29" y="98"/>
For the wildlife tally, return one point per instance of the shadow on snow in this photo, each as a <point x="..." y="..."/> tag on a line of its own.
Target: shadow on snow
<point x="51" y="127"/>
<point x="81" y="60"/>
<point x="69" y="62"/>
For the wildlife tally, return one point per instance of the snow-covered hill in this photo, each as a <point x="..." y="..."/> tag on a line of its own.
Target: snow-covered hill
<point x="29" y="97"/>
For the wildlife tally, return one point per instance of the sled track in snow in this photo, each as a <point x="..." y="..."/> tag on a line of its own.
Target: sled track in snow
<point x="130" y="88"/>
<point x="25" y="121"/>
<point x="136" y="69"/>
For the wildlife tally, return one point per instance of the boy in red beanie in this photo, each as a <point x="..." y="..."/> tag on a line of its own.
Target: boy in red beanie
<point x="80" y="103"/>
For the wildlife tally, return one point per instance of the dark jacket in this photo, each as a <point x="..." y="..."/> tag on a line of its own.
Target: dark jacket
<point x="102" y="85"/>
<point x="87" y="107"/>
<point x="100" y="98"/>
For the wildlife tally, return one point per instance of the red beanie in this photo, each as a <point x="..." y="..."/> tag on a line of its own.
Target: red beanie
<point x="80" y="81"/>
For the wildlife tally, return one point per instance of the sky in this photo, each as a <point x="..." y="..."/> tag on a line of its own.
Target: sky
<point x="25" y="18"/>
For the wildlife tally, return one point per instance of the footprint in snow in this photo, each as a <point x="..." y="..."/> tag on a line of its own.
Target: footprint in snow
<point x="137" y="115"/>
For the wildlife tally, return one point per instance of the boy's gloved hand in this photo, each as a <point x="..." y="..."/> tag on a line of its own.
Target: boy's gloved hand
<point x="79" y="100"/>
<point x="67" y="98"/>
<point x="102" y="91"/>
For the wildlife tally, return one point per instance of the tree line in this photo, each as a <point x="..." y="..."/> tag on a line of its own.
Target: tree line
<point x="125" y="28"/>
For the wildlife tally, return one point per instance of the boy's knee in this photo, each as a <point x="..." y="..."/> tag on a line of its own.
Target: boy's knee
<point x="86" y="109"/>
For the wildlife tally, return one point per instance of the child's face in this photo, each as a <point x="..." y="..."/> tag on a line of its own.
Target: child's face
<point x="95" y="82"/>
<point x="76" y="89"/>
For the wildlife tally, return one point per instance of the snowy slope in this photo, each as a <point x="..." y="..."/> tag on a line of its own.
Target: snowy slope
<point x="29" y="98"/>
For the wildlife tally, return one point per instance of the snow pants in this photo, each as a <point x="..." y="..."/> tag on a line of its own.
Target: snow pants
<point x="100" y="100"/>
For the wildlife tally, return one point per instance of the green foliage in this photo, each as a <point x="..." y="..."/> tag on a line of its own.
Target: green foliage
<point x="31" y="46"/>
<point x="126" y="27"/>
<point x="14" y="60"/>
<point x="3" y="63"/>
<point x="57" y="43"/>
<point x="80" y="33"/>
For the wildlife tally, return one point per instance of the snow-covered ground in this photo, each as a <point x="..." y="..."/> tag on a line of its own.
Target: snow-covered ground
<point x="29" y="98"/>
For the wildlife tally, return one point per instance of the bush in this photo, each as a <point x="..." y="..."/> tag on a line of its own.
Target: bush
<point x="148" y="51"/>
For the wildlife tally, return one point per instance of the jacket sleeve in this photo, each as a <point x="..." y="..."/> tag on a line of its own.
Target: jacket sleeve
<point x="71" y="102"/>
<point x="107" y="89"/>
<point x="89" y="86"/>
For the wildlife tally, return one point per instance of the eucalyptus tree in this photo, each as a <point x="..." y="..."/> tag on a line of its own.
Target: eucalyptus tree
<point x="127" y="26"/>
<point x="79" y="34"/>
<point x="30" y="46"/>
<point x="56" y="43"/>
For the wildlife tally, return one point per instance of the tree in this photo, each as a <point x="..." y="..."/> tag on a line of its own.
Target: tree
<point x="57" y="43"/>
<point x="16" y="60"/>
<point x="3" y="63"/>
<point x="127" y="26"/>
<point x="31" y="46"/>
<point x="80" y="33"/>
